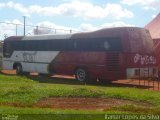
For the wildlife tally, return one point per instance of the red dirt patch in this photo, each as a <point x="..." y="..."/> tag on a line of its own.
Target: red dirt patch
<point x="9" y="72"/>
<point x="84" y="103"/>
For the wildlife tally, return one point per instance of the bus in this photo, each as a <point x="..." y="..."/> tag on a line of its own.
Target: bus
<point x="105" y="54"/>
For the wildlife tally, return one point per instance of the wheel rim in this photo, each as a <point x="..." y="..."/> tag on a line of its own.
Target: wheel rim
<point x="18" y="69"/>
<point x="81" y="75"/>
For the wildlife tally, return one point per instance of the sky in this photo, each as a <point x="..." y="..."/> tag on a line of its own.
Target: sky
<point x="75" y="15"/>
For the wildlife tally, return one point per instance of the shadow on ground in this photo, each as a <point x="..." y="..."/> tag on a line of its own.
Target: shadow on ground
<point x="60" y="79"/>
<point x="72" y="81"/>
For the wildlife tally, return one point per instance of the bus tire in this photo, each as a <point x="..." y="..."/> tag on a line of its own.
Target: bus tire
<point x="19" y="70"/>
<point x="81" y="75"/>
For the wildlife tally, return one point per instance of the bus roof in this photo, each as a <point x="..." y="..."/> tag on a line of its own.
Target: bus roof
<point x="47" y="37"/>
<point x="106" y="32"/>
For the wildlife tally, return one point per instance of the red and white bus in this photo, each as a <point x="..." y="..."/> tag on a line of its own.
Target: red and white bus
<point x="106" y="54"/>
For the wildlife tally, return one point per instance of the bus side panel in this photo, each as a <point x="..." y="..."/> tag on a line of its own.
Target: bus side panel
<point x="94" y="62"/>
<point x="31" y="61"/>
<point x="7" y="65"/>
<point x="67" y="62"/>
<point x="114" y="68"/>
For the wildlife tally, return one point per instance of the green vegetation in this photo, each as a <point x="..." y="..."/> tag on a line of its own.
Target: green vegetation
<point x="137" y="110"/>
<point x="26" y="90"/>
<point x="23" y="92"/>
<point x="16" y="110"/>
<point x="48" y="114"/>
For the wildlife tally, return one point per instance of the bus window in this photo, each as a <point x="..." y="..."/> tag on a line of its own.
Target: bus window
<point x="115" y="44"/>
<point x="26" y="45"/>
<point x="74" y="44"/>
<point x="39" y="45"/>
<point x="7" y="49"/>
<point x="97" y="44"/>
<point x="81" y="45"/>
<point x="18" y="45"/>
<point x="106" y="45"/>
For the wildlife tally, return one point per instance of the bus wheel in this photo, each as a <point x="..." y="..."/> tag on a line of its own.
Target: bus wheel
<point x="19" y="70"/>
<point x="81" y="75"/>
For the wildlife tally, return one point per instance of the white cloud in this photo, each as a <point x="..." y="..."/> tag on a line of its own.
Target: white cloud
<point x="133" y="2"/>
<point x="84" y="27"/>
<point x="85" y="10"/>
<point x="117" y="24"/>
<point x="153" y="16"/>
<point x="149" y="8"/>
<point x="87" y="27"/>
<point x="2" y="5"/>
<point x="53" y="25"/>
<point x="17" y="6"/>
<point x="52" y="28"/>
<point x="147" y="4"/>
<point x="90" y="27"/>
<point x="9" y="25"/>
<point x="117" y="11"/>
<point x="8" y="29"/>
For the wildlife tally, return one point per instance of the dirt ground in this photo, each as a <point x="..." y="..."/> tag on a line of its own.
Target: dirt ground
<point x="84" y="103"/>
<point x="77" y="103"/>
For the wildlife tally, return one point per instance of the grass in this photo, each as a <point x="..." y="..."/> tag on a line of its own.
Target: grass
<point x="24" y="91"/>
<point x="48" y="114"/>
<point x="136" y="109"/>
<point x="17" y="110"/>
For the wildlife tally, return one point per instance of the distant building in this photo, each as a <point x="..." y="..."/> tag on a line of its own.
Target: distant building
<point x="40" y="31"/>
<point x="154" y="27"/>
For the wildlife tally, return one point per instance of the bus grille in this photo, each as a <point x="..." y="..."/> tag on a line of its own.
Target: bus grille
<point x="113" y="62"/>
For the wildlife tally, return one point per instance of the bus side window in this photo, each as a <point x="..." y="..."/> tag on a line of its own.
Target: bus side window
<point x="7" y="49"/>
<point x="24" y="45"/>
<point x="96" y="45"/>
<point x="83" y="45"/>
<point x="74" y="44"/>
<point x="45" y="45"/>
<point x="115" y="45"/>
<point x="38" y="45"/>
<point x="78" y="45"/>
<point x="106" y="45"/>
<point x="31" y="46"/>
<point x="27" y="45"/>
<point x="20" y="45"/>
<point x="68" y="45"/>
<point x="48" y="45"/>
<point x="55" y="45"/>
<point x="62" y="45"/>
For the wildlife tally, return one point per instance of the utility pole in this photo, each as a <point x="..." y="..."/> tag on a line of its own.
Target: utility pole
<point x="24" y="23"/>
<point x="37" y="30"/>
<point x="70" y="31"/>
<point x="16" y="29"/>
<point x="5" y="36"/>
